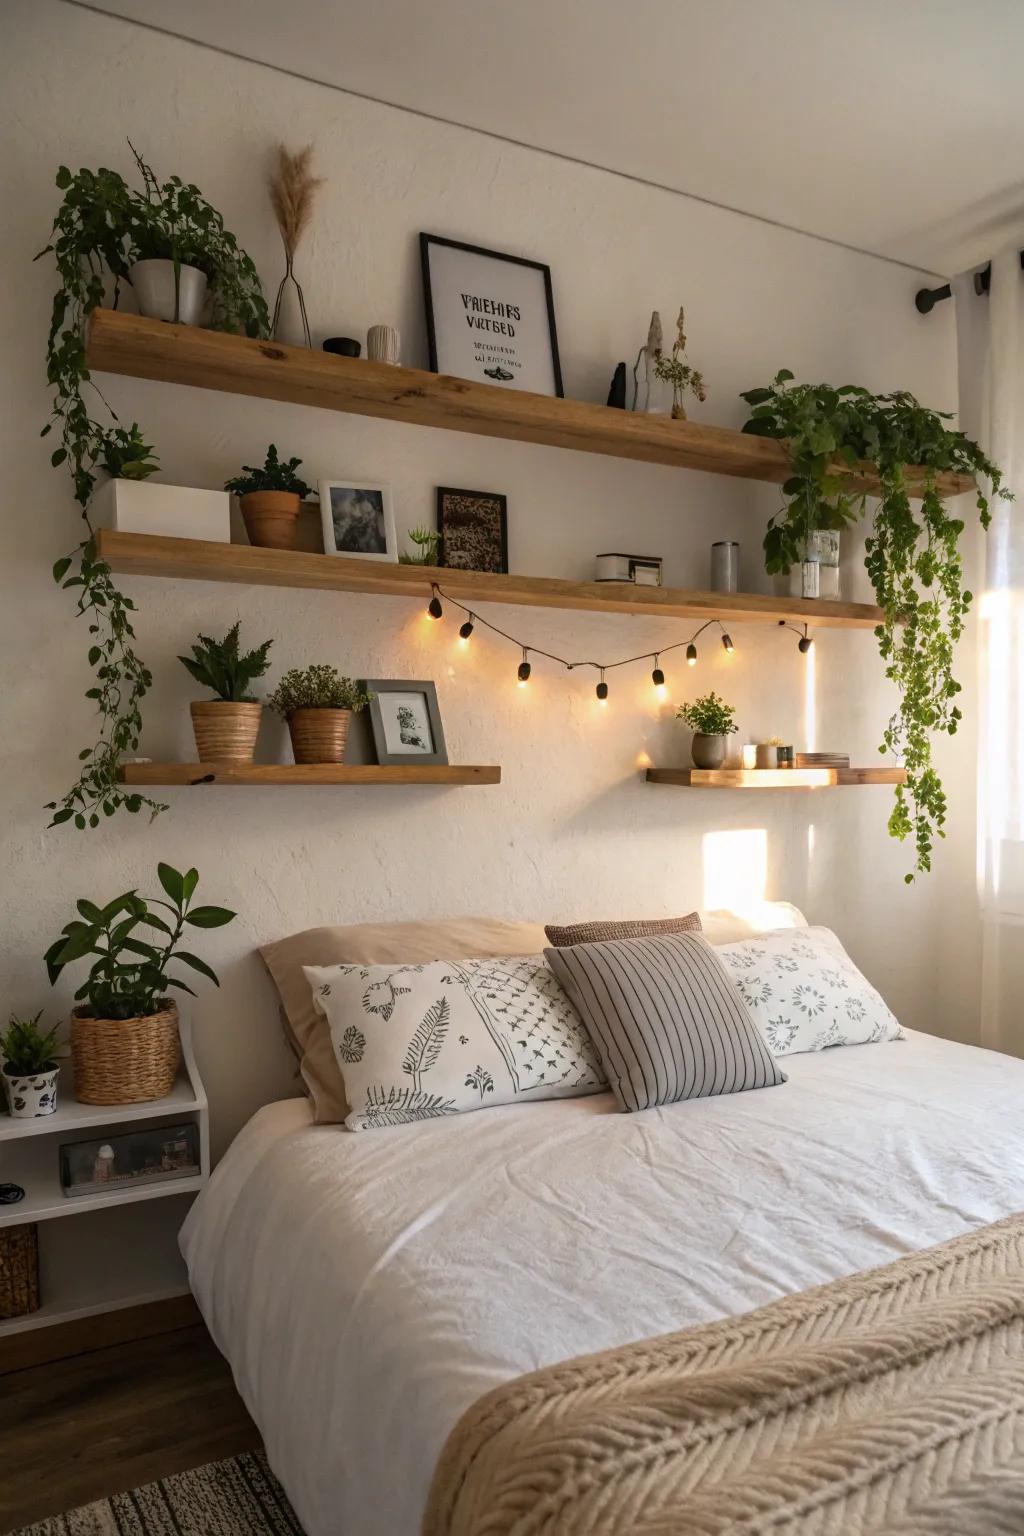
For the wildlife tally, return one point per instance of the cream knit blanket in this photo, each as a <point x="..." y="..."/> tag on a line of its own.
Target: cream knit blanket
<point x="889" y="1402"/>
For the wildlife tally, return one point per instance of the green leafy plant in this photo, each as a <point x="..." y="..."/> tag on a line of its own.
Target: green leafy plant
<point x="675" y="371"/>
<point x="913" y="559"/>
<point x="217" y="665"/>
<point x="26" y="1048"/>
<point x="709" y="715"/>
<point x="316" y="687"/>
<point x="272" y="476"/>
<point x="428" y="546"/>
<point x="101" y="228"/>
<point x="128" y="979"/>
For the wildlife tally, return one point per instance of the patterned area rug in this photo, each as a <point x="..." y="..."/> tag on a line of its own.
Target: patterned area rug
<point x="237" y="1497"/>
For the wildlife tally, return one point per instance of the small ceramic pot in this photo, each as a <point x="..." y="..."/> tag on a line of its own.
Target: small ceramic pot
<point x="225" y="732"/>
<point x="272" y="518"/>
<point x="707" y="751"/>
<point x="161" y="297"/>
<point x="319" y="735"/>
<point x="383" y="344"/>
<point x="32" y="1096"/>
<point x="342" y="346"/>
<point x="767" y="755"/>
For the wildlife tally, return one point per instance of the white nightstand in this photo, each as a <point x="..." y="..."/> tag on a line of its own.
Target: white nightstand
<point x="132" y="1259"/>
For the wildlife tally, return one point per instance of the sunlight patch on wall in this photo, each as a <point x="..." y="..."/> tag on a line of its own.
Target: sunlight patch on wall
<point x="735" y="869"/>
<point x="810" y="700"/>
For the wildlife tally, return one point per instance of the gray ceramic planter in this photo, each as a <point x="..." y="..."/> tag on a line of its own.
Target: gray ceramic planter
<point x="708" y="751"/>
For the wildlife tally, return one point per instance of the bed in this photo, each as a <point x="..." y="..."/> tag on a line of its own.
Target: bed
<point x="368" y="1289"/>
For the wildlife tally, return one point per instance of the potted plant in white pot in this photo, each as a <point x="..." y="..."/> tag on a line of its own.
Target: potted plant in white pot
<point x="131" y="503"/>
<point x="30" y="1067"/>
<point x="318" y="705"/>
<point x="226" y="726"/>
<point x="125" y="1047"/>
<point x="712" y="721"/>
<point x="271" y="497"/>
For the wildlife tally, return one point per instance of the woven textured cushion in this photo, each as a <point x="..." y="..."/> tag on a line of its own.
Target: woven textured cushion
<point x="666" y="1018"/>
<point x="601" y="933"/>
<point x="461" y="938"/>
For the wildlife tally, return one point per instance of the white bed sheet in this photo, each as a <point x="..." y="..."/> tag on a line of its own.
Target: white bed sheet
<point x="367" y="1289"/>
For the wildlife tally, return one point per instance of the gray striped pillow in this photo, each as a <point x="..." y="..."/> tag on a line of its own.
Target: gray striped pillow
<point x="666" y="1018"/>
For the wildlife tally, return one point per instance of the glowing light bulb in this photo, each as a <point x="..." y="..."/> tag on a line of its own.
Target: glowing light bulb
<point x="434" y="607"/>
<point x="524" y="670"/>
<point x="602" y="690"/>
<point x="691" y="655"/>
<point x="804" y="644"/>
<point x="465" y="630"/>
<point x="727" y="644"/>
<point x="657" y="676"/>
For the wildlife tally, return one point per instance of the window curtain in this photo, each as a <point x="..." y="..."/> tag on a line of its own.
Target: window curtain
<point x="990" y="347"/>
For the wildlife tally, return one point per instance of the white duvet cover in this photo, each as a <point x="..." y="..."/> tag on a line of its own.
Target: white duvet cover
<point x="367" y="1289"/>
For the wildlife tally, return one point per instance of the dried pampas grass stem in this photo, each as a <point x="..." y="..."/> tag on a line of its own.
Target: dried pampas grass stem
<point x="292" y="194"/>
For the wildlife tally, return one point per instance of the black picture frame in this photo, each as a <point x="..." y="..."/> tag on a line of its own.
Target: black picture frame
<point x="446" y="492"/>
<point x="382" y="724"/>
<point x="426" y="241"/>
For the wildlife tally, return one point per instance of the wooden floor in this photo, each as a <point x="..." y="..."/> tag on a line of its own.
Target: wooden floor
<point x="85" y="1427"/>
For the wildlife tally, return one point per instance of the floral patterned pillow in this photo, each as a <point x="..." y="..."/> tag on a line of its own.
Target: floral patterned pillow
<point x="415" y="1042"/>
<point x="804" y="992"/>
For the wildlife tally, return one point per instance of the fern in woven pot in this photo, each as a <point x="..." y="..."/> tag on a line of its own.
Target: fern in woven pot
<point x="226" y="727"/>
<point x="318" y="705"/>
<point x="125" y="1047"/>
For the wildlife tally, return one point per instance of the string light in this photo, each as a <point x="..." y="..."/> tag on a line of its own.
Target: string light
<point x="465" y="630"/>
<point x="602" y="690"/>
<point x="434" y="606"/>
<point x="524" y="669"/>
<point x="805" y="642"/>
<point x="691" y="655"/>
<point x="658" y="678"/>
<point x="727" y="645"/>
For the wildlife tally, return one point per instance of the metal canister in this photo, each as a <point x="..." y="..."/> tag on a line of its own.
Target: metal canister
<point x="725" y="566"/>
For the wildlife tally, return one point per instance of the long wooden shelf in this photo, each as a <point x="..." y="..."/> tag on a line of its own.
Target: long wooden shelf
<point x="181" y="354"/>
<point x="773" y="778"/>
<point x="145" y="554"/>
<point x="306" y="773"/>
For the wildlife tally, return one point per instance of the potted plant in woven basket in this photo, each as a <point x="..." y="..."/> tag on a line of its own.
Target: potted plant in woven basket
<point x="124" y="1033"/>
<point x="226" y="727"/>
<point x="30" y="1068"/>
<point x="318" y="705"/>
<point x="271" y="497"/>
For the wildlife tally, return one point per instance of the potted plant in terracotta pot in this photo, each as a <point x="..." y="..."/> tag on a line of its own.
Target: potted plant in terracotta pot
<point x="318" y="705"/>
<point x="271" y="497"/>
<point x="30" y="1068"/>
<point x="124" y="1033"/>
<point x="226" y="726"/>
<point x="712" y="722"/>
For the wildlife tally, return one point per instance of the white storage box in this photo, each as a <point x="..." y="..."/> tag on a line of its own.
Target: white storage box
<point x="176" y="511"/>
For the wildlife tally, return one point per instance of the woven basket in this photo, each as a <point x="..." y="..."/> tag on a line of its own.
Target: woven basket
<point x="125" y="1061"/>
<point x="319" y="735"/>
<point x="225" y="733"/>
<point x="19" y="1270"/>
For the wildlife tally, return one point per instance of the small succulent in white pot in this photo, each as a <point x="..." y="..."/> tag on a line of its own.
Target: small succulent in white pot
<point x="30" y="1068"/>
<point x="712" y="721"/>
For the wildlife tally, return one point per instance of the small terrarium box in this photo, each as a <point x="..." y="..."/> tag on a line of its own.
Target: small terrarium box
<point x="130" y="1160"/>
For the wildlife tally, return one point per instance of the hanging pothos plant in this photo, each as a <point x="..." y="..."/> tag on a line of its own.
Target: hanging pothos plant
<point x="913" y="559"/>
<point x="102" y="227"/>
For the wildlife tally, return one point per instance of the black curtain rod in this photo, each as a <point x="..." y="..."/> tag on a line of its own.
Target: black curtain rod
<point x="927" y="298"/>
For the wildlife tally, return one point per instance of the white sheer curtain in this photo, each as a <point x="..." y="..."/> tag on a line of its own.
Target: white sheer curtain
<point x="990" y="343"/>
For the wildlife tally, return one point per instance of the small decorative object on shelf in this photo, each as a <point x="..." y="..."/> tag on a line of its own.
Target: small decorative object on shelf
<point x="823" y="759"/>
<point x="645" y="384"/>
<point x="125" y="1047"/>
<point x="642" y="570"/>
<point x="131" y="505"/>
<point x="474" y="529"/>
<point x="810" y="575"/>
<point x="784" y="756"/>
<point x="748" y="755"/>
<point x="358" y="520"/>
<point x="30" y="1068"/>
<point x="293" y="190"/>
<point x="271" y="496"/>
<point x="384" y="345"/>
<point x="617" y="391"/>
<point x="11" y="1194"/>
<point x="428" y="547"/>
<point x="725" y="566"/>
<point x="406" y="721"/>
<point x="679" y="373"/>
<point x="768" y="752"/>
<point x="19" y="1270"/>
<point x="226" y="727"/>
<point x="712" y="721"/>
<point x="318" y="704"/>
<point x="343" y="346"/>
<point x="131" y="1160"/>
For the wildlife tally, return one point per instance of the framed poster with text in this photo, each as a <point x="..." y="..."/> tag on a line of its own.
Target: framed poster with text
<point x="490" y="317"/>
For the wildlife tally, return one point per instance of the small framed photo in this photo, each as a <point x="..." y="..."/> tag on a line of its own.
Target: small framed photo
<point x="358" y="519"/>
<point x="490" y="317"/>
<point x="406" y="721"/>
<point x="474" y="529"/>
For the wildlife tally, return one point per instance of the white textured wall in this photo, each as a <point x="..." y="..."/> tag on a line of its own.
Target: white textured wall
<point x="572" y="832"/>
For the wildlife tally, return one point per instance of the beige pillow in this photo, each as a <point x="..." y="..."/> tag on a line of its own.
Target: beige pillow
<point x="638" y="928"/>
<point x="461" y="938"/>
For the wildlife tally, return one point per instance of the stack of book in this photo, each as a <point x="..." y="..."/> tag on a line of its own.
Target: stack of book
<point x="823" y="760"/>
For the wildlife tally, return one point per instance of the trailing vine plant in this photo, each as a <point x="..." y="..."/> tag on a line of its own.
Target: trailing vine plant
<point x="913" y="559"/>
<point x="102" y="227"/>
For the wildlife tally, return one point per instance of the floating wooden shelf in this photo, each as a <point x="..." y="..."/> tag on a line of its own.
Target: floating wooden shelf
<point x="773" y="778"/>
<point x="181" y="354"/>
<point x="145" y="554"/>
<point x="305" y="773"/>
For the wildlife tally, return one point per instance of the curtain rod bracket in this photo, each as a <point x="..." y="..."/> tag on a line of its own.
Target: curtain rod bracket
<point x="925" y="299"/>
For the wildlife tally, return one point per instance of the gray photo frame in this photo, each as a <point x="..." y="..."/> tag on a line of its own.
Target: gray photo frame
<point x="418" y="736"/>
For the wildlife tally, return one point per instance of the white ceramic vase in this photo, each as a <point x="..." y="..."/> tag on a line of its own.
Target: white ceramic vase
<point x="32" y="1096"/>
<point x="383" y="344"/>
<point x="162" y="298"/>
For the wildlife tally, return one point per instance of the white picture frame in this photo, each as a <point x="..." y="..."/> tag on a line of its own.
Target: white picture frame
<point x="358" y="519"/>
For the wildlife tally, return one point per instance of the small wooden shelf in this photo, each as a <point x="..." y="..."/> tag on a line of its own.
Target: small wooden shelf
<point x="145" y="554"/>
<point x="773" y="778"/>
<point x="305" y="773"/>
<point x="182" y="354"/>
